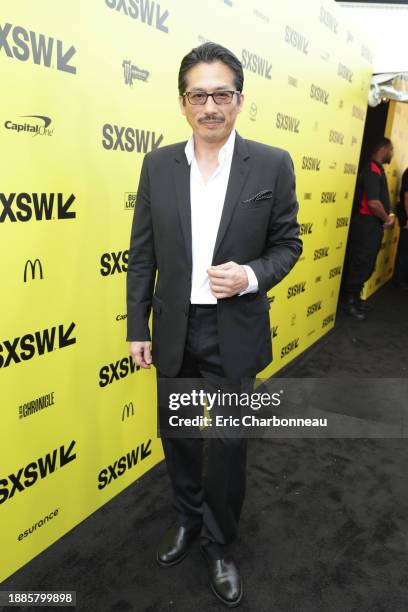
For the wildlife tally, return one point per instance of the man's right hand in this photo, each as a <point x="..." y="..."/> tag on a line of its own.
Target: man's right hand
<point x="141" y="353"/>
<point x="390" y="222"/>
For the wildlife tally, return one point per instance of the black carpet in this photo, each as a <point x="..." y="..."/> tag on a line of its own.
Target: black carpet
<point x="324" y="525"/>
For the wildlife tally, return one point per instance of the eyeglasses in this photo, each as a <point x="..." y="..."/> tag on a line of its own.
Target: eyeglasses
<point x="201" y="97"/>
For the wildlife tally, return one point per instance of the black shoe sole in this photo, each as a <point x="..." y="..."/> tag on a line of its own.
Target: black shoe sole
<point x="229" y="604"/>
<point x="175" y="562"/>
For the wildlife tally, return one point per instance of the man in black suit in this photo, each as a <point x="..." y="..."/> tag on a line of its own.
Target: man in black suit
<point x="216" y="218"/>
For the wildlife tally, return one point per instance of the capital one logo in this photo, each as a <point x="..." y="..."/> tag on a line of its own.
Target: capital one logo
<point x="33" y="266"/>
<point x="22" y="44"/>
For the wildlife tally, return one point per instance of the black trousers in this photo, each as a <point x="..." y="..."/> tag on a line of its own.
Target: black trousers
<point x="401" y="261"/>
<point x="366" y="233"/>
<point x="207" y="475"/>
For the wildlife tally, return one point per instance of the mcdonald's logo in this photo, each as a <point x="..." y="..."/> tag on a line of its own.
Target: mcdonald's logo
<point x="33" y="266"/>
<point x="127" y="409"/>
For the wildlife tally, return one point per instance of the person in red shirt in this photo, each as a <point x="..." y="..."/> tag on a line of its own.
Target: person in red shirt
<point x="400" y="280"/>
<point x="370" y="216"/>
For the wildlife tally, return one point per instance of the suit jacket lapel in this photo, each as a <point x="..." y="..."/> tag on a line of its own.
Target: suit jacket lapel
<point x="182" y="180"/>
<point x="238" y="175"/>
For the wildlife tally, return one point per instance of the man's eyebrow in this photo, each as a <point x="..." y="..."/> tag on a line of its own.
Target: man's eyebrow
<point x="219" y="88"/>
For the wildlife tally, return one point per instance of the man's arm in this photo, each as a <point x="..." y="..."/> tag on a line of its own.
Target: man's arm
<point x="141" y="272"/>
<point x="284" y="246"/>
<point x="372" y="185"/>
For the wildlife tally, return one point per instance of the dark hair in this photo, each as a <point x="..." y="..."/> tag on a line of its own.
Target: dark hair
<point x="210" y="52"/>
<point x="381" y="142"/>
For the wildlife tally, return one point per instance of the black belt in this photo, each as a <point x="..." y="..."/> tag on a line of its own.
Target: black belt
<point x="197" y="306"/>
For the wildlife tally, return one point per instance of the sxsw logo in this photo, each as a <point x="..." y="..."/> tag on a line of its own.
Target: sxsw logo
<point x="336" y="137"/>
<point x="27" y="346"/>
<point x="33" y="265"/>
<point x="132" y="72"/>
<point x="335" y="272"/>
<point x="38" y="126"/>
<point x="38" y="469"/>
<point x="342" y="222"/>
<point x="274" y="331"/>
<point x="25" y="206"/>
<point x="146" y="11"/>
<point x="305" y="228"/>
<point x="345" y="73"/>
<point x="114" y="262"/>
<point x="311" y="163"/>
<point x="297" y="40"/>
<point x="319" y="94"/>
<point x="22" y="44"/>
<point x="358" y="112"/>
<point x="320" y="253"/>
<point x="328" y="320"/>
<point x="129" y="139"/>
<point x="296" y="289"/>
<point x="115" y="371"/>
<point x="123" y="464"/>
<point x="328" y="20"/>
<point x="328" y="196"/>
<point x="288" y="348"/>
<point x="130" y="200"/>
<point x="288" y="123"/>
<point x="350" y="169"/>
<point x="255" y="63"/>
<point x="314" y="308"/>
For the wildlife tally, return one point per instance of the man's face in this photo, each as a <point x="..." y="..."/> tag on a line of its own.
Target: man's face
<point x="388" y="153"/>
<point x="211" y="122"/>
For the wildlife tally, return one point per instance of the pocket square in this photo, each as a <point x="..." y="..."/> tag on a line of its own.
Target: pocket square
<point x="265" y="194"/>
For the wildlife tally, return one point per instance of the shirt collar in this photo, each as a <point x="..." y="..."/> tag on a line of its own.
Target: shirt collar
<point x="226" y="150"/>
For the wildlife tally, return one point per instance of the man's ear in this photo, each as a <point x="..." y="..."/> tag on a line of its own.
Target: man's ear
<point x="240" y="102"/>
<point x="182" y="103"/>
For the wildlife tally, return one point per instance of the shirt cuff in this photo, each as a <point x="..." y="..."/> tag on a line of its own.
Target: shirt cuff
<point x="253" y="281"/>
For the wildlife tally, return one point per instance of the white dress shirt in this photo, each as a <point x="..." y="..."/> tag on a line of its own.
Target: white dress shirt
<point x="207" y="201"/>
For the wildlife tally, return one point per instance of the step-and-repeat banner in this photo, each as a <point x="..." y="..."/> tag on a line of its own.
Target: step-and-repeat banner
<point x="397" y="129"/>
<point x="87" y="89"/>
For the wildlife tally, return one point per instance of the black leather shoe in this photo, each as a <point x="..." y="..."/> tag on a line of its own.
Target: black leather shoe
<point x="175" y="544"/>
<point x="225" y="580"/>
<point x="353" y="309"/>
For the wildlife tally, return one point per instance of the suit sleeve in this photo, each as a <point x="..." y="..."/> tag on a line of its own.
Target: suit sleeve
<point x="283" y="246"/>
<point x="141" y="272"/>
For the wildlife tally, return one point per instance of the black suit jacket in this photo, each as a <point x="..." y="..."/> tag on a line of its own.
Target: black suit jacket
<point x="262" y="232"/>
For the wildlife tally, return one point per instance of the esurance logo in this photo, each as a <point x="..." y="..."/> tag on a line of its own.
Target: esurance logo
<point x="296" y="289"/>
<point x="37" y="206"/>
<point x="311" y="163"/>
<point x="22" y="44"/>
<point x="297" y="40"/>
<point x="36" y="470"/>
<point x="146" y="11"/>
<point x="39" y="126"/>
<point x="255" y="63"/>
<point x="26" y="347"/>
<point x="132" y="72"/>
<point x="319" y="94"/>
<point x="288" y="123"/>
<point x="129" y="139"/>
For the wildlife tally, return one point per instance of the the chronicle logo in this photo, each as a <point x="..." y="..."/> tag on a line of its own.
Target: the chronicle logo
<point x="335" y="272"/>
<point x="123" y="464"/>
<point x="296" y="289"/>
<point x="328" y="197"/>
<point x="344" y="72"/>
<point x="287" y="122"/>
<point x="132" y="72"/>
<point x="129" y="139"/>
<point x="39" y="403"/>
<point x="21" y="44"/>
<point x="32" y="265"/>
<point x="39" y="126"/>
<point x="289" y="347"/>
<point x="297" y="40"/>
<point x="116" y="370"/>
<point x="314" y="308"/>
<point x="130" y="200"/>
<point x="336" y="137"/>
<point x="36" y="470"/>
<point x="350" y="169"/>
<point x="311" y="163"/>
<point x="305" y="229"/>
<point x="255" y="63"/>
<point x="328" y="20"/>
<point x="319" y="94"/>
<point x="320" y="253"/>
<point x="40" y="342"/>
<point x="342" y="222"/>
<point x="146" y="11"/>
<point x="114" y="262"/>
<point x="36" y="205"/>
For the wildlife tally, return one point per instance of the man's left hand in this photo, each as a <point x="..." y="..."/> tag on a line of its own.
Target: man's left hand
<point x="227" y="279"/>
